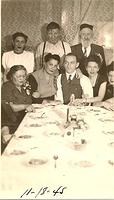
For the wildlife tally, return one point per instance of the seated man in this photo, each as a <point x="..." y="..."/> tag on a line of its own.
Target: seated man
<point x="18" y="56"/>
<point x="71" y="82"/>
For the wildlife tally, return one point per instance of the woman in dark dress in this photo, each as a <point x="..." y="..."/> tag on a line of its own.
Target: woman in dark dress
<point x="108" y="101"/>
<point x="15" y="94"/>
<point x="110" y="84"/>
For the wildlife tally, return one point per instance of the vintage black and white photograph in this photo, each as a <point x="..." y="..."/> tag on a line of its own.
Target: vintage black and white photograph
<point x="57" y="99"/>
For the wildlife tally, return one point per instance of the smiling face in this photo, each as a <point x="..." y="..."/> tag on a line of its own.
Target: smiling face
<point x="111" y="78"/>
<point x="86" y="36"/>
<point x="70" y="64"/>
<point x="19" y="78"/>
<point x="92" y="68"/>
<point x="51" y="66"/>
<point x="53" y="35"/>
<point x="19" y="44"/>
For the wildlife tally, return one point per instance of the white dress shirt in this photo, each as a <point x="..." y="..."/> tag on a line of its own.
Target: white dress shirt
<point x="26" y="59"/>
<point x="51" y="48"/>
<point x="84" y="82"/>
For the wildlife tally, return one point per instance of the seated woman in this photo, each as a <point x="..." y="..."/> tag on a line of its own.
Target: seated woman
<point x="108" y="101"/>
<point x="43" y="82"/>
<point x="14" y="93"/>
<point x="98" y="81"/>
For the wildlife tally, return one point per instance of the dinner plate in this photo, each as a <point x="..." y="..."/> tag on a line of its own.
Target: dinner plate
<point x="17" y="152"/>
<point x="108" y="132"/>
<point x="82" y="163"/>
<point x="35" y="125"/>
<point x="111" y="162"/>
<point x="36" y="162"/>
<point x="25" y="136"/>
<point x="52" y="133"/>
<point x="111" y="144"/>
<point x="106" y="120"/>
<point x="77" y="145"/>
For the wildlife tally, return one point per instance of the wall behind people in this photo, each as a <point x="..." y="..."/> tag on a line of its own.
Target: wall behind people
<point x="31" y="16"/>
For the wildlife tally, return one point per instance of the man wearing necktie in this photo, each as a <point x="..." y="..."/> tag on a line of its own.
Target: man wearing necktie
<point x="86" y="48"/>
<point x="71" y="83"/>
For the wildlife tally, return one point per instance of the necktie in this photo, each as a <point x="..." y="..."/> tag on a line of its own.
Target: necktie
<point x="69" y="79"/>
<point x="85" y="51"/>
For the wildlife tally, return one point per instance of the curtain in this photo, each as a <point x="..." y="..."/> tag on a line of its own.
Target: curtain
<point x="32" y="16"/>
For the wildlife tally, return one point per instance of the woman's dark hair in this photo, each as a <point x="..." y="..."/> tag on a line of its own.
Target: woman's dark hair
<point x="13" y="70"/>
<point x="50" y="56"/>
<point x="110" y="67"/>
<point x="93" y="58"/>
<point x="53" y="25"/>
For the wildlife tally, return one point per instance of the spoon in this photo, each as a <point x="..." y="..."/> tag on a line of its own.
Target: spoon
<point x="55" y="157"/>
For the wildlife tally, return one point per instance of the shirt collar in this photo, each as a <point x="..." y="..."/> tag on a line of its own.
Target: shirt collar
<point x="72" y="75"/>
<point x="58" y="43"/>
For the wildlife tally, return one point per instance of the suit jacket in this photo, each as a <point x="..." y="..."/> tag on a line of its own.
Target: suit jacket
<point x="95" y="49"/>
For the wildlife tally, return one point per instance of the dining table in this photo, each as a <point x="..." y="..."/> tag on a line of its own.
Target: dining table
<point x="60" y="152"/>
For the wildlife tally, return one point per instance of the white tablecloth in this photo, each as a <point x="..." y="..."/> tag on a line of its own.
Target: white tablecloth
<point x="85" y="172"/>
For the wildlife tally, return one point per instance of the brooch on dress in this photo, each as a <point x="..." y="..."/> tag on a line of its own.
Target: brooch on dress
<point x="27" y="88"/>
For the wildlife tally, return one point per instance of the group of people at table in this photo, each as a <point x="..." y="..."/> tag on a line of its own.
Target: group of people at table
<point x="73" y="75"/>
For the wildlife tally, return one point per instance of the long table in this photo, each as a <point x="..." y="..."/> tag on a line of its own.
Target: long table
<point x="48" y="158"/>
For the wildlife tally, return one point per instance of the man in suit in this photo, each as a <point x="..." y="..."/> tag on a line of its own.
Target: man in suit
<point x="86" y="48"/>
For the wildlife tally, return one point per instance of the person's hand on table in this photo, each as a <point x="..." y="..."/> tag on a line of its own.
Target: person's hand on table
<point x="78" y="102"/>
<point x="108" y="105"/>
<point x="98" y="104"/>
<point x="30" y="108"/>
<point x="105" y="104"/>
<point x="5" y="134"/>
<point x="56" y="102"/>
<point x="45" y="101"/>
<point x="36" y="94"/>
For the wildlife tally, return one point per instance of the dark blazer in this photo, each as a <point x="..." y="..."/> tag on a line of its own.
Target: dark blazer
<point x="95" y="49"/>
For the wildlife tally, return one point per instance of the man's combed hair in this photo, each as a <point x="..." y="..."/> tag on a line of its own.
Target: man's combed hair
<point x="53" y="25"/>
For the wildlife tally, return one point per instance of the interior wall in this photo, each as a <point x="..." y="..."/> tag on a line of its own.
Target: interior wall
<point x="32" y="16"/>
<point x="28" y="16"/>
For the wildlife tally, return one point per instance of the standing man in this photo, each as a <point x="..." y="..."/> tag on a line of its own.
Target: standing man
<point x="86" y="48"/>
<point x="53" y="45"/>
<point x="18" y="56"/>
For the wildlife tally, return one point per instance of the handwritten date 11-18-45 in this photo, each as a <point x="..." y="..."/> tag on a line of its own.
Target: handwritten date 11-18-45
<point x="42" y="191"/>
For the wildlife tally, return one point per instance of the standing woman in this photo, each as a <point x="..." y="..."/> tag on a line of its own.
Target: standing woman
<point x="15" y="94"/>
<point x="43" y="81"/>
